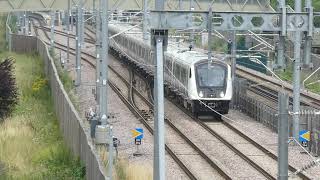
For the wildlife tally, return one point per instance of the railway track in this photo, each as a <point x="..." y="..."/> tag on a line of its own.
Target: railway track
<point x="145" y="116"/>
<point x="272" y="86"/>
<point x="245" y="139"/>
<point x="214" y="133"/>
<point x="90" y="39"/>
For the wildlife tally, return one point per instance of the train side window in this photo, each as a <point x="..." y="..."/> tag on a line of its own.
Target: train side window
<point x="177" y="71"/>
<point x="141" y="51"/>
<point x="190" y="73"/>
<point x="183" y="75"/>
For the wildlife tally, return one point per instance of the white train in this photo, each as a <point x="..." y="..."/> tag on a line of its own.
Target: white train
<point x="195" y="82"/>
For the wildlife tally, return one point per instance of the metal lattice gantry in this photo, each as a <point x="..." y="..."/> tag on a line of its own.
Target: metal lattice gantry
<point x="234" y="21"/>
<point x="227" y="5"/>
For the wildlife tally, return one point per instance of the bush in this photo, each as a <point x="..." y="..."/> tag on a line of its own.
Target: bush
<point x="8" y="88"/>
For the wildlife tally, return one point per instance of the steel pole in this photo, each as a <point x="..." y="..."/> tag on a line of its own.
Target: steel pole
<point x="52" y="30"/>
<point x="192" y="33"/>
<point x="308" y="37"/>
<point x="94" y="12"/>
<point x="104" y="83"/>
<point x="24" y="22"/>
<point x="210" y="34"/>
<point x="180" y="5"/>
<point x="29" y="26"/>
<point x="98" y="49"/>
<point x="100" y="52"/>
<point x="159" y="147"/>
<point x="233" y="65"/>
<point x="280" y="52"/>
<point x="233" y="57"/>
<point x="280" y="49"/>
<point x="145" y="31"/>
<point x="68" y="29"/>
<point x="72" y="23"/>
<point x="307" y="51"/>
<point x="283" y="137"/>
<point x="104" y="65"/>
<point x="78" y="44"/>
<point x="296" y="75"/>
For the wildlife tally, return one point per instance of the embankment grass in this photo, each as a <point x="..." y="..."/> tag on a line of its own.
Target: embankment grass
<point x="31" y="144"/>
<point x="2" y="33"/>
<point x="311" y="84"/>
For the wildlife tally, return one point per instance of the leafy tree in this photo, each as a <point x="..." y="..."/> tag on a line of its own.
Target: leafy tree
<point x="8" y="88"/>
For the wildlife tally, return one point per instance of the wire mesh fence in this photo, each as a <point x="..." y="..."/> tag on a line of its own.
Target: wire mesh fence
<point x="268" y="116"/>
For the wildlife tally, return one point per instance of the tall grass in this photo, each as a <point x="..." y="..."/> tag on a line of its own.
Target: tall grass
<point x="2" y="33"/>
<point x="31" y="145"/>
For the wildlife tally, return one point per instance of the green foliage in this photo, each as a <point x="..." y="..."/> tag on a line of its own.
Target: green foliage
<point x="315" y="4"/>
<point x="13" y="24"/>
<point x="31" y="144"/>
<point x="314" y="87"/>
<point x="241" y="43"/>
<point x="60" y="164"/>
<point x="2" y="33"/>
<point x="217" y="44"/>
<point x="286" y="75"/>
<point x="8" y="88"/>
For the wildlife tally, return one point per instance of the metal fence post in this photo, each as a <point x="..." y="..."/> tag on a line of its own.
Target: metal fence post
<point x="98" y="50"/>
<point x="159" y="154"/>
<point x="145" y="31"/>
<point x="296" y="75"/>
<point x="308" y="35"/>
<point x="68" y="29"/>
<point x="283" y="137"/>
<point x="78" y="44"/>
<point x="52" y="30"/>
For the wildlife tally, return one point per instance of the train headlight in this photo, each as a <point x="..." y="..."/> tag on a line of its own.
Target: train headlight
<point x="222" y="94"/>
<point x="201" y="94"/>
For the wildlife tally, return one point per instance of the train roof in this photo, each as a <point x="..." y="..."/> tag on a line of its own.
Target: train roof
<point x="182" y="53"/>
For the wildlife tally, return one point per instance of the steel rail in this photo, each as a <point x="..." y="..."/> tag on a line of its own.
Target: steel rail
<point x="140" y="116"/>
<point x="88" y="40"/>
<point x="270" y="154"/>
<point x="308" y="100"/>
<point x="229" y="145"/>
<point x="263" y="149"/>
<point x="254" y="143"/>
<point x="169" y="122"/>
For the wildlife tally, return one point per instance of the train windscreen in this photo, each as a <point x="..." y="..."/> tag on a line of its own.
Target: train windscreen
<point x="211" y="76"/>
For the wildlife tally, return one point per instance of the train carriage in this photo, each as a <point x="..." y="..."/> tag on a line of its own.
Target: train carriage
<point x="199" y="85"/>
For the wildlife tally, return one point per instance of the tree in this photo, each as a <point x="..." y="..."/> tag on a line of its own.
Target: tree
<point x="8" y="88"/>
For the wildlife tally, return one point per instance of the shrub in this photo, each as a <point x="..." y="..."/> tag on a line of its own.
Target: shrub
<point x="8" y="88"/>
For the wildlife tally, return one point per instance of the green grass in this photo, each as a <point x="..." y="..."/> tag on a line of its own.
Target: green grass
<point x="2" y="33"/>
<point x="13" y="24"/>
<point x="31" y="144"/>
<point x="288" y="76"/>
<point x="217" y="44"/>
